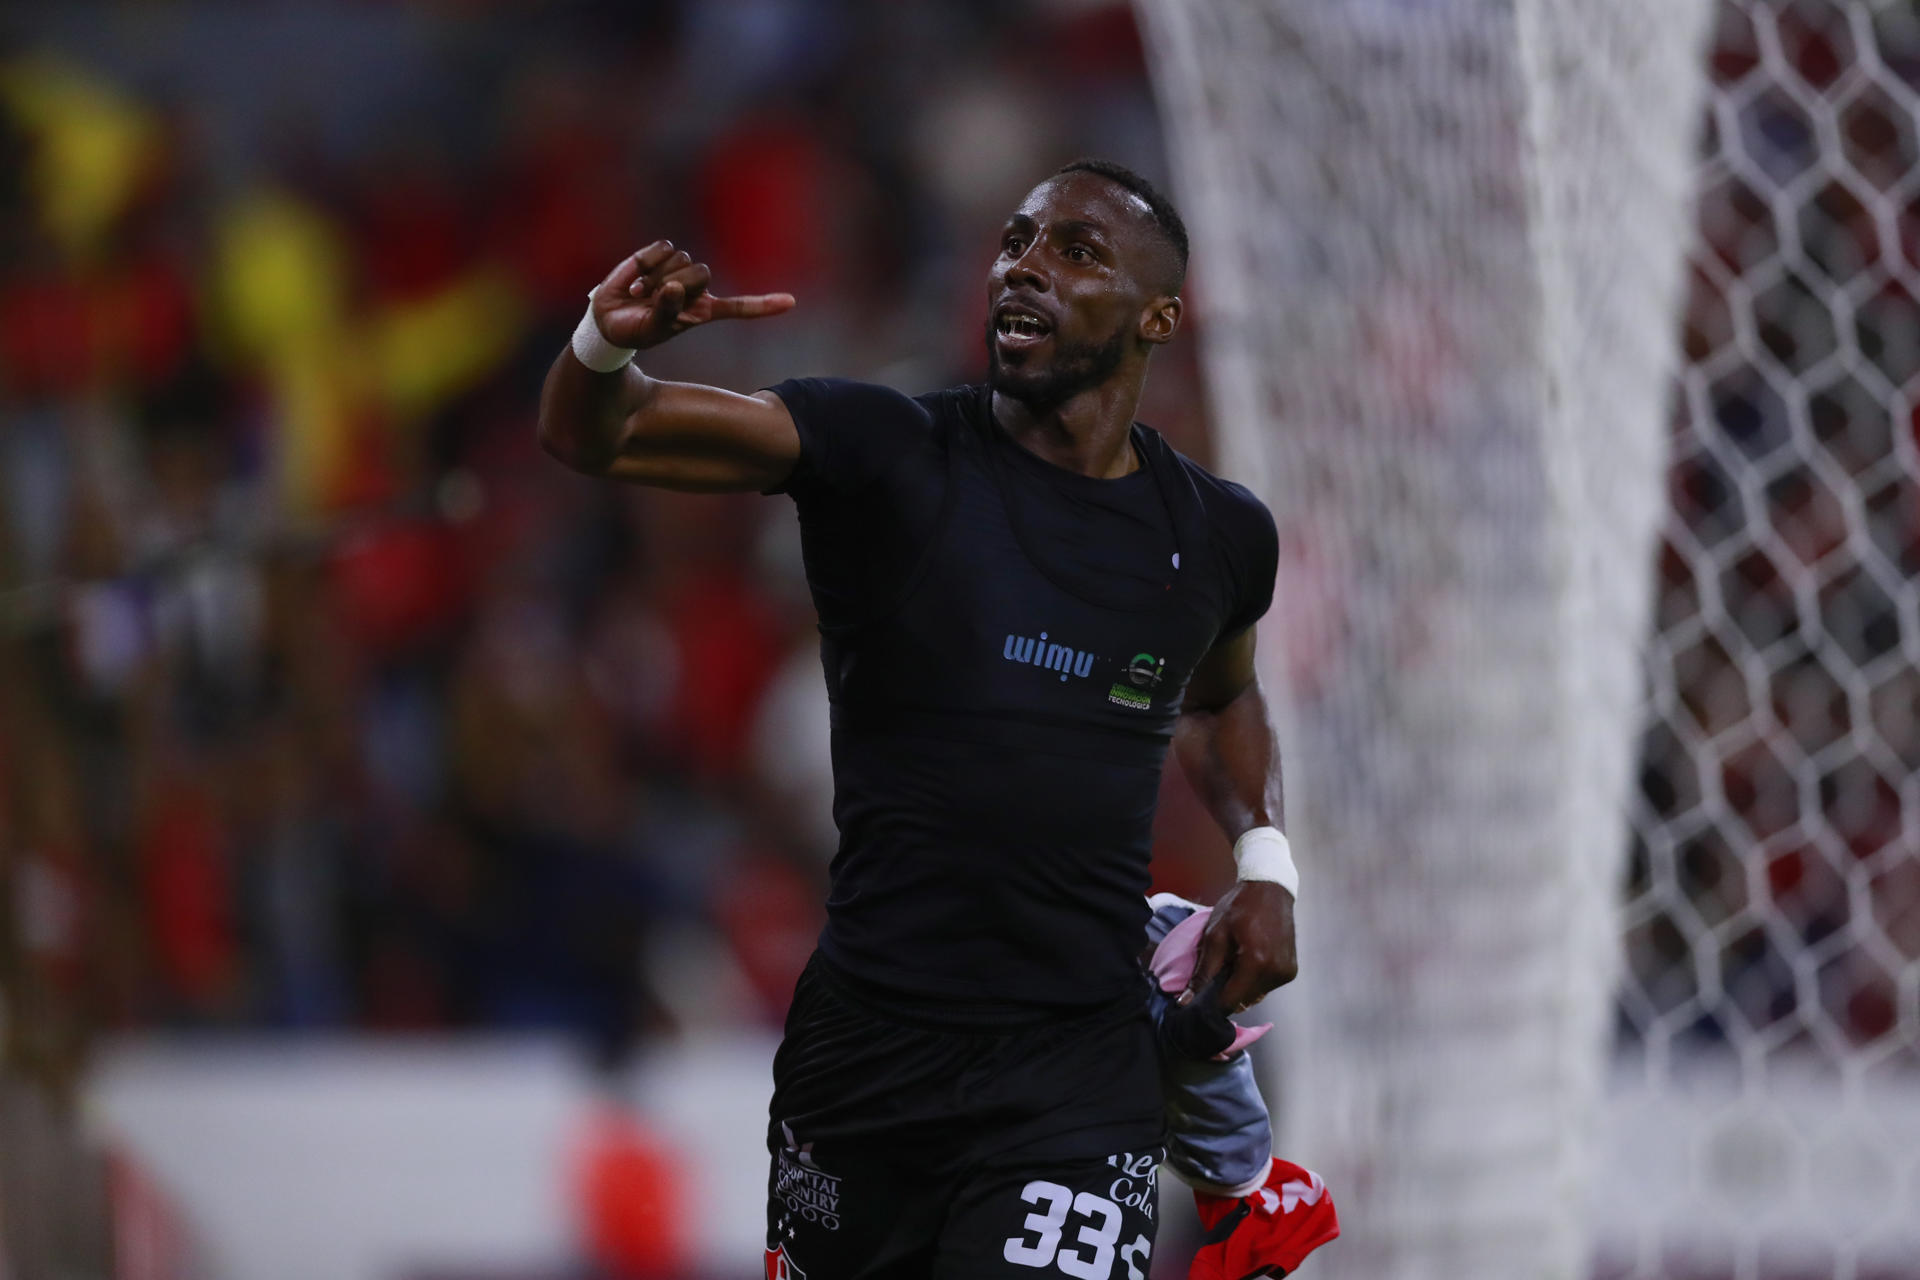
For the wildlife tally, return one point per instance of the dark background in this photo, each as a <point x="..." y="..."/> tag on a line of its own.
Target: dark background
<point x="327" y="700"/>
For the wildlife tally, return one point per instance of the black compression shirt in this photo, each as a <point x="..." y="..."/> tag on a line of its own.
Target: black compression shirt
<point x="1006" y="644"/>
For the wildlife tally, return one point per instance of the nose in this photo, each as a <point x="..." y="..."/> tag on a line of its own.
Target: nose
<point x="1025" y="270"/>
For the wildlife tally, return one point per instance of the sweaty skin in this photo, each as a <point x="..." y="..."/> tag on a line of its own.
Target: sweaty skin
<point x="1082" y="261"/>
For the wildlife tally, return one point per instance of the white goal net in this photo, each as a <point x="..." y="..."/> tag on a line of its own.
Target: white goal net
<point x="1596" y="616"/>
<point x="1767" y="1085"/>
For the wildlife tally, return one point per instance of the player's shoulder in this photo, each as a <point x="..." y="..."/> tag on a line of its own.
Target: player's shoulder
<point x="846" y="397"/>
<point x="1230" y="507"/>
<point x="957" y="403"/>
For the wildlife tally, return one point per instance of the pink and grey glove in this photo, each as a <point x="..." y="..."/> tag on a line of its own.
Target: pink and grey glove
<point x="1219" y="1137"/>
<point x="1194" y="1029"/>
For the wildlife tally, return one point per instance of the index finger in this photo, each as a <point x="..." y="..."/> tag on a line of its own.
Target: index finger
<point x="1209" y="959"/>
<point x="751" y="307"/>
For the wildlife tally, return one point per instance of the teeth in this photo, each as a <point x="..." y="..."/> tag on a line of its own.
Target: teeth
<point x="1020" y="326"/>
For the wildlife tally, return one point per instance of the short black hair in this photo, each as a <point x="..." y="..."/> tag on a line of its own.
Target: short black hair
<point x="1165" y="216"/>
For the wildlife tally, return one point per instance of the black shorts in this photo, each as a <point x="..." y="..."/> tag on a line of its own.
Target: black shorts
<point x="909" y="1151"/>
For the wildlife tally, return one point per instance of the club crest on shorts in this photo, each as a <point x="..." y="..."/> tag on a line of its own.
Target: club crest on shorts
<point x="781" y="1267"/>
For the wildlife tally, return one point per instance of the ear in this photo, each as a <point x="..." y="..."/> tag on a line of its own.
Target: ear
<point x="1161" y="320"/>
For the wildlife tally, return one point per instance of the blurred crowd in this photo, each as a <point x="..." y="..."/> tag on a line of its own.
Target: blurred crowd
<point x="325" y="699"/>
<point x="1774" y="901"/>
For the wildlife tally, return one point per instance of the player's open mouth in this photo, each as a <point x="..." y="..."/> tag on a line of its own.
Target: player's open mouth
<point x="1016" y="329"/>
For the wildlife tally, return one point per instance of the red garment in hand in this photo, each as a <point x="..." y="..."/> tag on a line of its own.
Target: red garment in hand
<point x="1267" y="1233"/>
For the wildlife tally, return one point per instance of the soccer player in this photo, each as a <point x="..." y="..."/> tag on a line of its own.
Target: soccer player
<point x="1025" y="596"/>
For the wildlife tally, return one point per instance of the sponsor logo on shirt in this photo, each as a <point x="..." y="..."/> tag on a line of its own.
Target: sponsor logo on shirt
<point x="1049" y="655"/>
<point x="1143" y="676"/>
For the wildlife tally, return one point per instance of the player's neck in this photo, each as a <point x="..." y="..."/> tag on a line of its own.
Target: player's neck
<point x="1090" y="432"/>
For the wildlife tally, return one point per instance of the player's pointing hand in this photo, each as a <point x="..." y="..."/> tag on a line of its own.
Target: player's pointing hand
<point x="661" y="291"/>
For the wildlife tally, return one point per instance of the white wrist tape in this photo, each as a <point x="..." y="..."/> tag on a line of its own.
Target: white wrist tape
<point x="591" y="348"/>
<point x="1263" y="854"/>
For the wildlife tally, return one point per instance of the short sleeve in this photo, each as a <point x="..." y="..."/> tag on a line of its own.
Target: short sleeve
<point x="867" y="487"/>
<point x="851" y="433"/>
<point x="1250" y="546"/>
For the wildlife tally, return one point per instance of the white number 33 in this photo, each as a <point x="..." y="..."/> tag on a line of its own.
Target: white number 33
<point x="1099" y="1233"/>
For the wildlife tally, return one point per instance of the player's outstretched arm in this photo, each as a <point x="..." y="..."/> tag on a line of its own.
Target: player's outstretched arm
<point x="1224" y="741"/>
<point x="676" y="435"/>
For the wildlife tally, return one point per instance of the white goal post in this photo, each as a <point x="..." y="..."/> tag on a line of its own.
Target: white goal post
<point x="1576" y="344"/>
<point x="1439" y="251"/>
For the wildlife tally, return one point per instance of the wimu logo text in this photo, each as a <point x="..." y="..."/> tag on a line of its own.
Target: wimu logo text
<point x="1048" y="655"/>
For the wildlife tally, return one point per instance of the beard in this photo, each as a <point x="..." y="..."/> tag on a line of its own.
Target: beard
<point x="1075" y="367"/>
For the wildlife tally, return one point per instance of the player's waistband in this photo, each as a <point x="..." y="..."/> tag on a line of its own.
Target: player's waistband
<point x="968" y="1015"/>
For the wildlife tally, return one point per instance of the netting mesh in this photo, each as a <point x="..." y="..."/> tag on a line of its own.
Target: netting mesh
<point x="1441" y="345"/>
<point x="1770" y="1012"/>
<point x="1440" y="246"/>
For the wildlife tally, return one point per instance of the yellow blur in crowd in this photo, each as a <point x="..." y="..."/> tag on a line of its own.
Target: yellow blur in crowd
<point x="277" y="296"/>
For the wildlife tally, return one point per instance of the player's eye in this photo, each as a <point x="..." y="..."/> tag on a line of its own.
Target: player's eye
<point x="1011" y="246"/>
<point x="1080" y="253"/>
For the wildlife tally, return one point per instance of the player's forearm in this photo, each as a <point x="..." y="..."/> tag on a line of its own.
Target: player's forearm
<point x="1228" y="753"/>
<point x="1232" y="761"/>
<point x="585" y="417"/>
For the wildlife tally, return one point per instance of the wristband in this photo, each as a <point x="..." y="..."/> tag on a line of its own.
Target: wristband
<point x="591" y="348"/>
<point x="1263" y="854"/>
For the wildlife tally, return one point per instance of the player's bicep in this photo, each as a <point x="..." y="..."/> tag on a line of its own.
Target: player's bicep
<point x="707" y="440"/>
<point x="1224" y="673"/>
